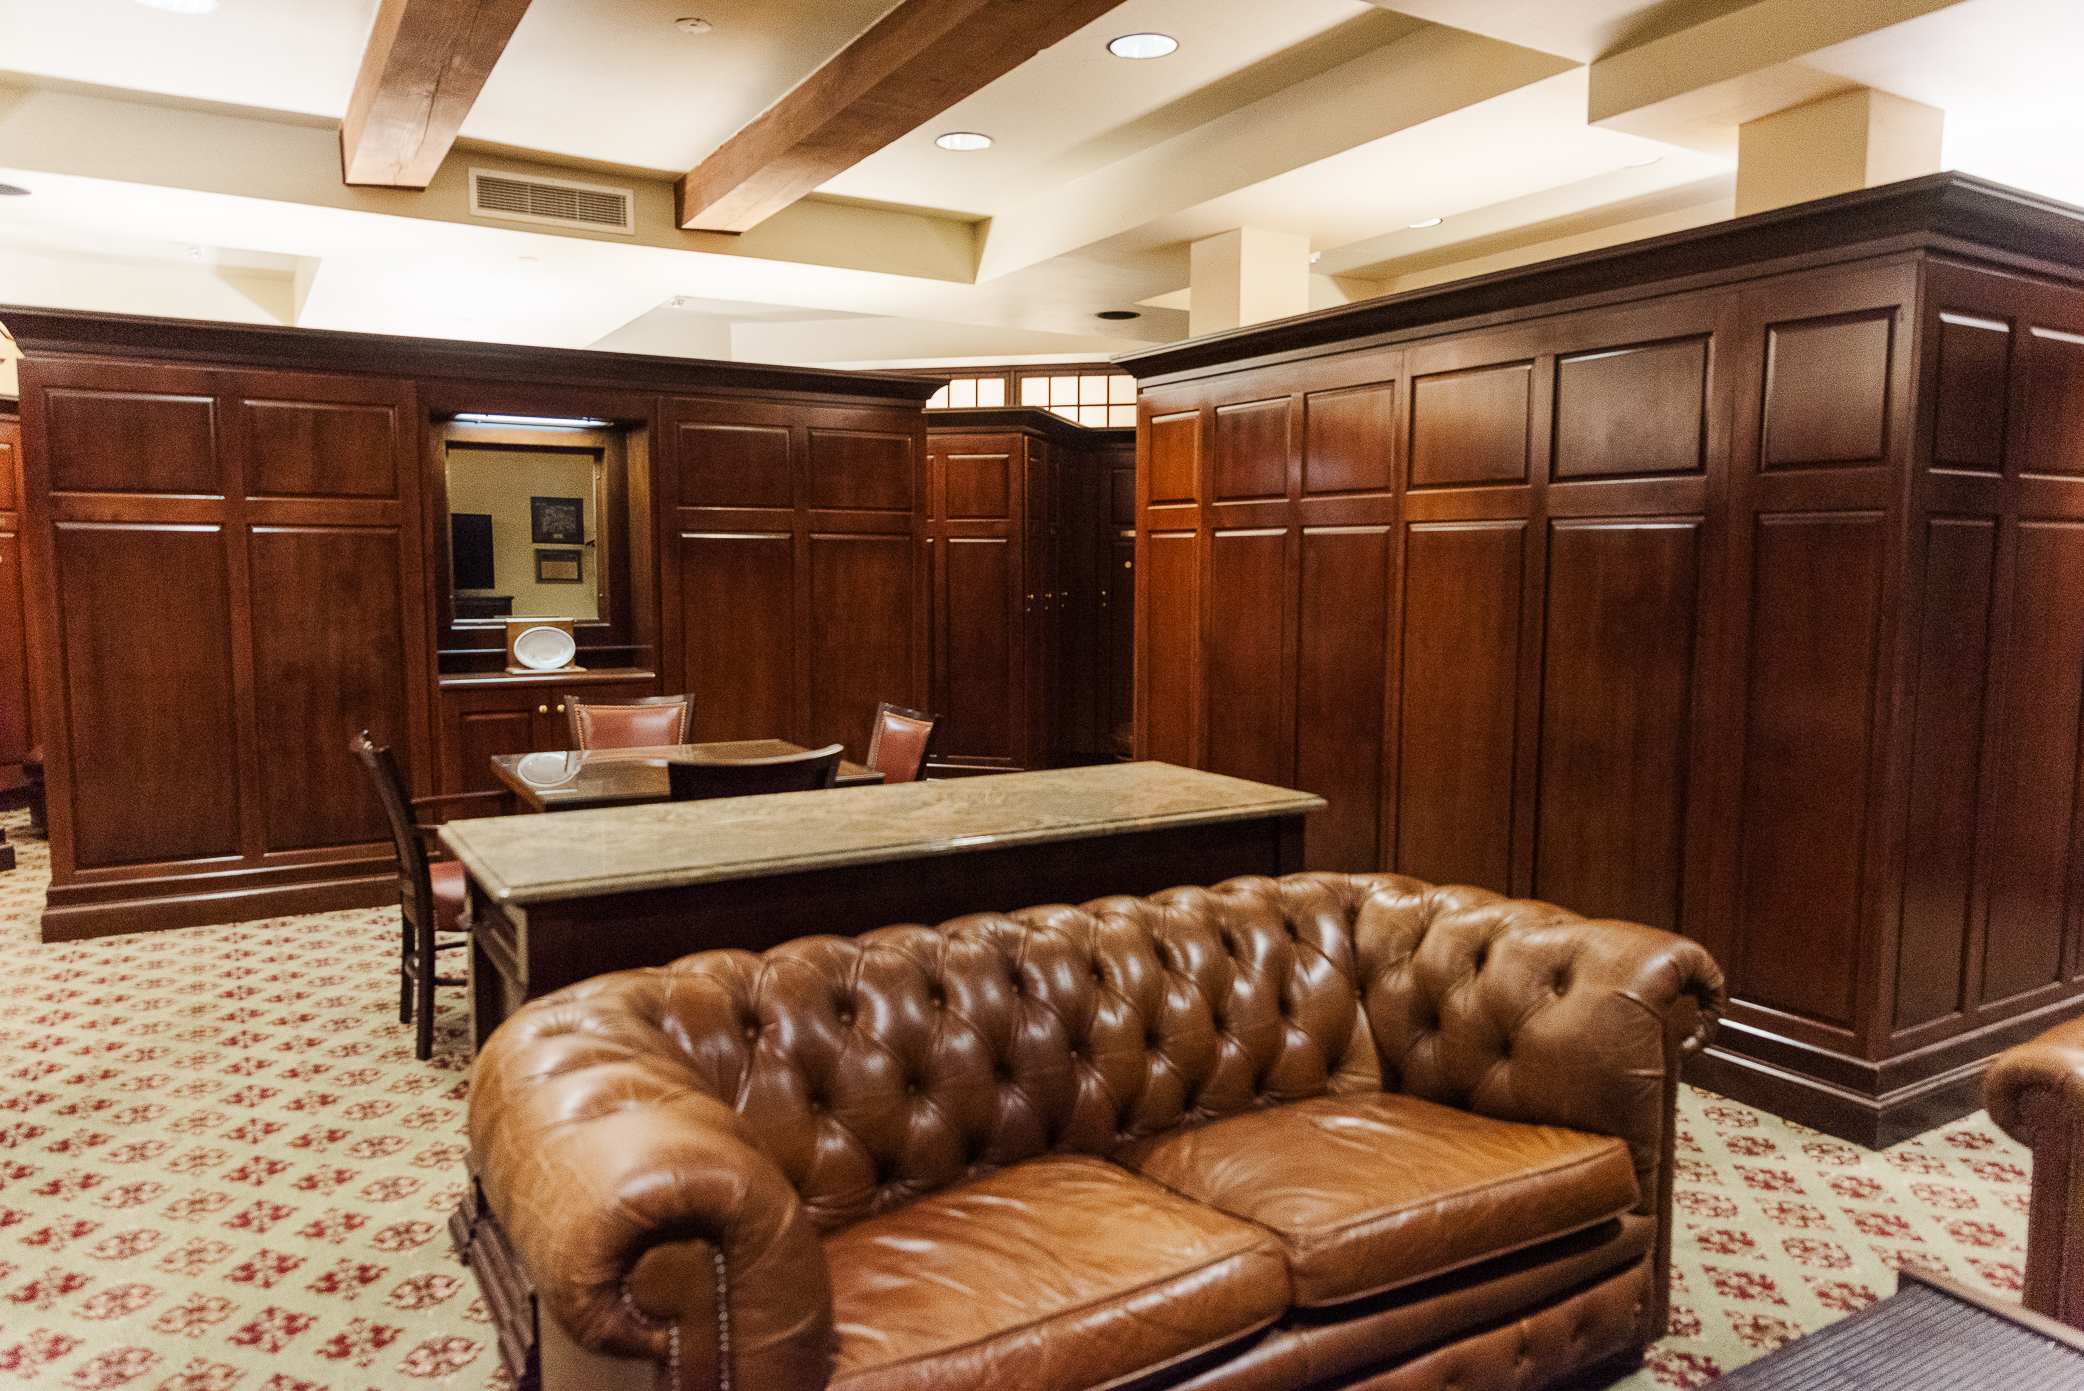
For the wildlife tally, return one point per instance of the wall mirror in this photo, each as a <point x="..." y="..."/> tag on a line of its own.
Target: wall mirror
<point x="537" y="527"/>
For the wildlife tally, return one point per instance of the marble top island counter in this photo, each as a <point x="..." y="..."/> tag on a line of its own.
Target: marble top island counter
<point x="520" y="860"/>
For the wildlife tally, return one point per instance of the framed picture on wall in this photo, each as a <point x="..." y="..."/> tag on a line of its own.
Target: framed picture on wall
<point x="557" y="521"/>
<point x="560" y="567"/>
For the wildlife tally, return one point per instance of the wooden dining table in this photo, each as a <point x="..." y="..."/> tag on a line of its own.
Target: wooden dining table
<point x="583" y="779"/>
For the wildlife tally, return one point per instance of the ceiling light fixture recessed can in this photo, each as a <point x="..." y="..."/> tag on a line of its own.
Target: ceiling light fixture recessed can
<point x="692" y="25"/>
<point x="182" y="6"/>
<point x="1143" y="46"/>
<point x="1117" y="314"/>
<point x="1429" y="222"/>
<point x="964" y="140"/>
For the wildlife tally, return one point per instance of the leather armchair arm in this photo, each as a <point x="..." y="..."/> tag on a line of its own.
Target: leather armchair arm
<point x="2035" y="1092"/>
<point x="648" y="1218"/>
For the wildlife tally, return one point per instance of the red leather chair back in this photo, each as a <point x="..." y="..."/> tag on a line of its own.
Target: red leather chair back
<point x="898" y="744"/>
<point x="648" y="723"/>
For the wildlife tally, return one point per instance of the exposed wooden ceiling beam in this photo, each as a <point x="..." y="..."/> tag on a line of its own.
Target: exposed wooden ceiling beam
<point x="918" y="60"/>
<point x="426" y="62"/>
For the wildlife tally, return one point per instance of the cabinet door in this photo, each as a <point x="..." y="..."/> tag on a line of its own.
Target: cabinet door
<point x="482" y="723"/>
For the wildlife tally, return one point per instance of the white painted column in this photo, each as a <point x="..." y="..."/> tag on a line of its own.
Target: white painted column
<point x="1247" y="276"/>
<point x="1854" y="140"/>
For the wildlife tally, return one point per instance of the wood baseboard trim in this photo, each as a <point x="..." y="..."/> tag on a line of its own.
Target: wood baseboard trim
<point x="78" y="923"/>
<point x="1873" y="1121"/>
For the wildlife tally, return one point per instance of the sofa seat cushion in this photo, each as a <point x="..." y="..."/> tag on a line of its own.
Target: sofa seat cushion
<point x="1371" y="1191"/>
<point x="1060" y="1272"/>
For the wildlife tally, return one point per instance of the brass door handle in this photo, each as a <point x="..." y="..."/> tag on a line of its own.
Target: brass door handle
<point x="542" y="709"/>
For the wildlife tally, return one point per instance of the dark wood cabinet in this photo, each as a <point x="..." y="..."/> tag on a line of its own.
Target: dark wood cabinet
<point x="1016" y="548"/>
<point x="486" y="716"/>
<point x="232" y="536"/>
<point x="1725" y="582"/>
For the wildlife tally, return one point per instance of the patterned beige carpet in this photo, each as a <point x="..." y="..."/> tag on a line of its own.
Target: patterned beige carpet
<point x="221" y="1167"/>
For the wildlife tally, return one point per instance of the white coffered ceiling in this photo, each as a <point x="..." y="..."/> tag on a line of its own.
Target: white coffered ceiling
<point x="189" y="165"/>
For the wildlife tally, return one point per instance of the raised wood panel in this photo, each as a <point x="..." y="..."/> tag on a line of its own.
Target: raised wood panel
<point x="1945" y="757"/>
<point x="2054" y="409"/>
<point x="484" y="735"/>
<point x="738" y="605"/>
<point x="1342" y="630"/>
<point x="1175" y="454"/>
<point x="1121" y="508"/>
<point x="1616" y="701"/>
<point x="1120" y="717"/>
<point x="1808" y="744"/>
<point x="1252" y="450"/>
<point x="1246" y="733"/>
<point x="15" y="736"/>
<point x="1974" y="372"/>
<point x="735" y="466"/>
<point x="320" y="449"/>
<point x="131" y="442"/>
<point x="860" y="635"/>
<point x="1346" y="439"/>
<point x="148" y="693"/>
<point x="327" y="634"/>
<point x="978" y="487"/>
<point x="2032" y="868"/>
<point x="1827" y="392"/>
<point x="1461" y="646"/>
<point x="979" y="704"/>
<point x="1622" y="412"/>
<point x="861" y="471"/>
<point x="1471" y="427"/>
<point x="1172" y="619"/>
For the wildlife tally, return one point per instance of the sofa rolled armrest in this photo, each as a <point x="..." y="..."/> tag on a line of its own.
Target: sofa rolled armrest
<point x="2035" y="1092"/>
<point x="649" y="1219"/>
<point x="1524" y="1011"/>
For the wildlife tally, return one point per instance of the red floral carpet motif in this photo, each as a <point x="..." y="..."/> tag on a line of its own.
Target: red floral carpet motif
<point x="1780" y="1230"/>
<point x="221" y="1168"/>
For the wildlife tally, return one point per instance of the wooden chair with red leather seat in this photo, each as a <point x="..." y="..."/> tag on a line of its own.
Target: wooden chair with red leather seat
<point x="900" y="741"/>
<point x="430" y="892"/>
<point x="794" y="772"/>
<point x="631" y="724"/>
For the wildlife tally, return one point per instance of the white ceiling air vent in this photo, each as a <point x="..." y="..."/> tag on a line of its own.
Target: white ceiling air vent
<point x="557" y="202"/>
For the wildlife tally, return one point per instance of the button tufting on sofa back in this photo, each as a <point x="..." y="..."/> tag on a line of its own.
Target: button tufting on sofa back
<point x="872" y="1070"/>
<point x="877" y="1068"/>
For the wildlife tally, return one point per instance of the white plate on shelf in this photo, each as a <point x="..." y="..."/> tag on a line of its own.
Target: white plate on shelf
<point x="544" y="648"/>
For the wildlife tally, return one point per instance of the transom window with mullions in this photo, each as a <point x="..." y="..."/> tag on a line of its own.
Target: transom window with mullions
<point x="1098" y="396"/>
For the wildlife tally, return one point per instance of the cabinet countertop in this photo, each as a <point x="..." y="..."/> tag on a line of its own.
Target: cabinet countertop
<point x="594" y="677"/>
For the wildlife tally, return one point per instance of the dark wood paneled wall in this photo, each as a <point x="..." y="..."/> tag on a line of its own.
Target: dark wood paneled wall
<point x="1020" y="547"/>
<point x="1723" y="582"/>
<point x="795" y="602"/>
<point x="230" y="536"/>
<point x="228" y="563"/>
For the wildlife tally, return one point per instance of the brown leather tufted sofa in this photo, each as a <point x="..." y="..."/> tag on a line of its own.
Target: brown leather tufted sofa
<point x="2035" y="1091"/>
<point x="1326" y="1130"/>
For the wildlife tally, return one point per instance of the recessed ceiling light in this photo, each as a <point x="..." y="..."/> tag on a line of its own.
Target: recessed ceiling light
<point x="182" y="6"/>
<point x="964" y="140"/>
<point x="692" y="25"/>
<point x="13" y="191"/>
<point x="1143" y="46"/>
<point x="1117" y="314"/>
<point x="1429" y="222"/>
